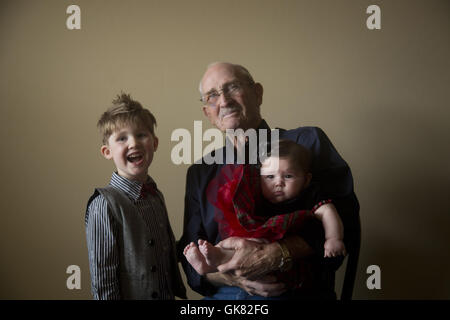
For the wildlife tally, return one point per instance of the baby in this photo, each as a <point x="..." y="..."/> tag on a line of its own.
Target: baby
<point x="282" y="179"/>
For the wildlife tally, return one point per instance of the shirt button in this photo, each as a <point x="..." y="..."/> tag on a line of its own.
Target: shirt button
<point x="154" y="295"/>
<point x="151" y="242"/>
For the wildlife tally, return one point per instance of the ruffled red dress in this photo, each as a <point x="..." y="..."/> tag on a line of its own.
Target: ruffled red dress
<point x="236" y="193"/>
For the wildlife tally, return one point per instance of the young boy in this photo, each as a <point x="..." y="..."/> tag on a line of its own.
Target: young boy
<point x="130" y="242"/>
<point x="282" y="183"/>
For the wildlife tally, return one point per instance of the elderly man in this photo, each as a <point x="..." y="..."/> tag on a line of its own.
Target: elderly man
<point x="232" y="100"/>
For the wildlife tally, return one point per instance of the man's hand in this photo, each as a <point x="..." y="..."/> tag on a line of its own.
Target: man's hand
<point x="265" y="286"/>
<point x="251" y="259"/>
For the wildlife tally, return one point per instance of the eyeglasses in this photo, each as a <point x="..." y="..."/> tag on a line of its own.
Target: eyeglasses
<point x="229" y="89"/>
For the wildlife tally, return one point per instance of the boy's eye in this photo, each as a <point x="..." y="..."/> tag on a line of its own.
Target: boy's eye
<point x="288" y="176"/>
<point x="121" y="138"/>
<point x="269" y="176"/>
<point x="142" y="135"/>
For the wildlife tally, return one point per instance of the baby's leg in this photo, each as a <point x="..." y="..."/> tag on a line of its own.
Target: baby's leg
<point x="196" y="259"/>
<point x="214" y="255"/>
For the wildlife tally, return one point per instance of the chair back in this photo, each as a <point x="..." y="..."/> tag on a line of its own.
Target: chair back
<point x="354" y="244"/>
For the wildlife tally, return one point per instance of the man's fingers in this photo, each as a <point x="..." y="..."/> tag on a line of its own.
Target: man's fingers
<point x="230" y="265"/>
<point x="272" y="293"/>
<point x="261" y="286"/>
<point x="261" y="240"/>
<point x="268" y="279"/>
<point x="230" y="243"/>
<point x="226" y="267"/>
<point x="264" y="289"/>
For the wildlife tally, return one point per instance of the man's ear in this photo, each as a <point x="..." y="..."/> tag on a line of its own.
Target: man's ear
<point x="155" y="143"/>
<point x="259" y="90"/>
<point x="106" y="152"/>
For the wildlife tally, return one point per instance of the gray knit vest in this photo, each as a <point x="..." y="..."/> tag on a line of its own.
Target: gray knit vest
<point x="136" y="279"/>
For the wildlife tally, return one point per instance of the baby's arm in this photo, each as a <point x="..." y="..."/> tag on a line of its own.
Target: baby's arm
<point x="334" y="230"/>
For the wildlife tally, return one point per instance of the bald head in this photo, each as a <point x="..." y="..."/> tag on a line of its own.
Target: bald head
<point x="240" y="71"/>
<point x="237" y="97"/>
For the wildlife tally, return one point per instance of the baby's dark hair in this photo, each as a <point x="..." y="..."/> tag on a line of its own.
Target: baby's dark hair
<point x="290" y="150"/>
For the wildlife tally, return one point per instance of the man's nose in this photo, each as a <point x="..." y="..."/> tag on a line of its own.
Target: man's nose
<point x="224" y="99"/>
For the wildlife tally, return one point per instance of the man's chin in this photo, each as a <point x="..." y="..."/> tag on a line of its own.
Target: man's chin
<point x="229" y="124"/>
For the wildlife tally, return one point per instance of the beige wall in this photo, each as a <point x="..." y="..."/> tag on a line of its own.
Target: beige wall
<point x="381" y="96"/>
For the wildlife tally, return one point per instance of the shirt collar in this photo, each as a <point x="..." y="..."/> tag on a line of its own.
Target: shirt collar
<point x="131" y="188"/>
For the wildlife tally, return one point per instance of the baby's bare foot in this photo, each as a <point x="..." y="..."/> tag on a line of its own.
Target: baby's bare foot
<point x="214" y="256"/>
<point x="196" y="259"/>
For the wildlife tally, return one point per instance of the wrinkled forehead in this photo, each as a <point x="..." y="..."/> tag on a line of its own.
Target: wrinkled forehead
<point x="218" y="75"/>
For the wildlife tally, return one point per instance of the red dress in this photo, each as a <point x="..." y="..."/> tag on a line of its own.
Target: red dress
<point x="236" y="192"/>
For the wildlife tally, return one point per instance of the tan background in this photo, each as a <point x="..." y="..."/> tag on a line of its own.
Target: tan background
<point x="381" y="96"/>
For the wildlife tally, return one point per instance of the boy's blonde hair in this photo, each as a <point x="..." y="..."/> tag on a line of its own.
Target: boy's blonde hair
<point x="124" y="110"/>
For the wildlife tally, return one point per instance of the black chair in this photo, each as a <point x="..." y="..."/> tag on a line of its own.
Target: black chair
<point x="353" y="231"/>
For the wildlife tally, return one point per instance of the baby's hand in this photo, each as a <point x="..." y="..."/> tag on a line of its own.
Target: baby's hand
<point x="334" y="247"/>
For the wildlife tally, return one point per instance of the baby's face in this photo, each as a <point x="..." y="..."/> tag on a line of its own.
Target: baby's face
<point x="282" y="181"/>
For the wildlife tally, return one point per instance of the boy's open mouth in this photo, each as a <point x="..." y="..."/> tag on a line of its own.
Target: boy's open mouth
<point x="134" y="157"/>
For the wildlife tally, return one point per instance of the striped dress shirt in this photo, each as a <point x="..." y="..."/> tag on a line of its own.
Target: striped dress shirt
<point x="102" y="240"/>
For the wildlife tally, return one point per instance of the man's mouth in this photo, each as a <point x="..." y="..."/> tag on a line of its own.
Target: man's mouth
<point x="225" y="112"/>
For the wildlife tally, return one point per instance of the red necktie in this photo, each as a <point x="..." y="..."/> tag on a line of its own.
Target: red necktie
<point x="147" y="188"/>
